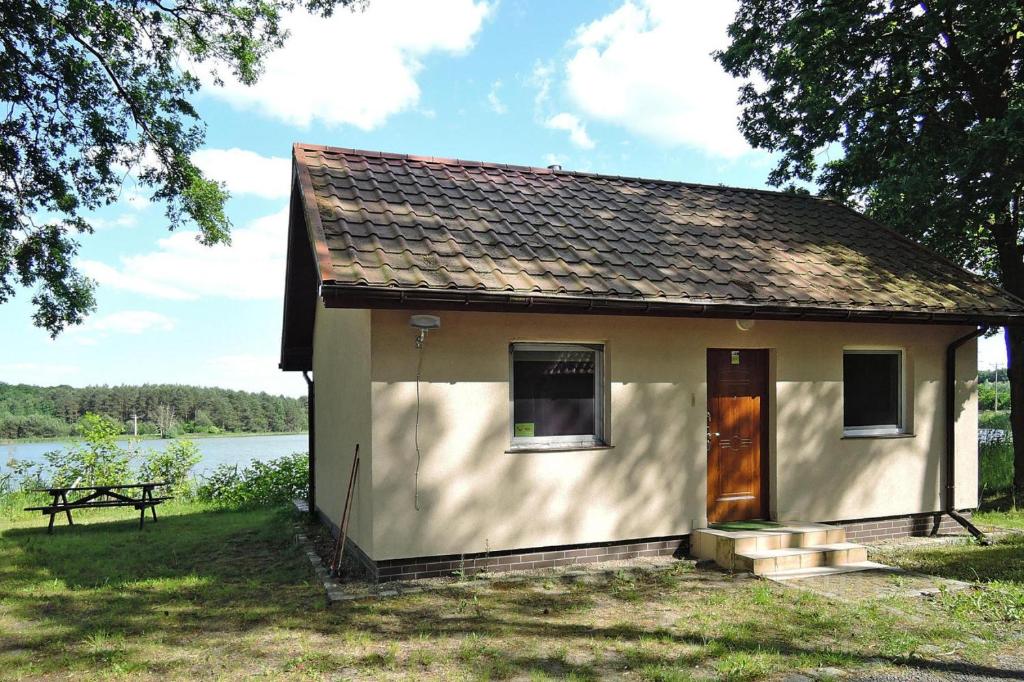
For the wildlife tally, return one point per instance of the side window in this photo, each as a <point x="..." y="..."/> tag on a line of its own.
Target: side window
<point x="557" y="395"/>
<point x="873" y="392"/>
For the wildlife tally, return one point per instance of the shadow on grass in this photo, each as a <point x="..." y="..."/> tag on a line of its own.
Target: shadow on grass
<point x="1001" y="561"/>
<point x="230" y="586"/>
<point x="730" y="655"/>
<point x="211" y="544"/>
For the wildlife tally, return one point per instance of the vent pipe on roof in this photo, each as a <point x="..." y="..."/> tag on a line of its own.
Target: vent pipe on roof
<point x="555" y="166"/>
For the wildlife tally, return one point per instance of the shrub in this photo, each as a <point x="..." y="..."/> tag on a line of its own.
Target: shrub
<point x="23" y="475"/>
<point x="995" y="466"/>
<point x="98" y="460"/>
<point x="32" y="426"/>
<point x="148" y="429"/>
<point x="201" y="424"/>
<point x="994" y="420"/>
<point x="173" y="465"/>
<point x="275" y="482"/>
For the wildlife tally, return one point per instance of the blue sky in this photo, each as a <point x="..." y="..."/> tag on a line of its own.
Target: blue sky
<point x="626" y="88"/>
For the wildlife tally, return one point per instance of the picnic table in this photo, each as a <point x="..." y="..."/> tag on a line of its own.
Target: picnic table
<point x="99" y="496"/>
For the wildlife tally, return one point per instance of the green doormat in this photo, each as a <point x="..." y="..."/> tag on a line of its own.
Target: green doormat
<point x="745" y="525"/>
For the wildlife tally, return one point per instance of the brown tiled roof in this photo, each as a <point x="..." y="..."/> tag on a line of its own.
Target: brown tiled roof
<point x="395" y="223"/>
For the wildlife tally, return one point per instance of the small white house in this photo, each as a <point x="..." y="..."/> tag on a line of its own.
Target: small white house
<point x="612" y="363"/>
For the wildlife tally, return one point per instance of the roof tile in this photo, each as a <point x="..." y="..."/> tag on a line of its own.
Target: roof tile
<point x="404" y="221"/>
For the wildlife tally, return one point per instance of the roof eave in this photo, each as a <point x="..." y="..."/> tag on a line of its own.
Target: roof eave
<point x="338" y="295"/>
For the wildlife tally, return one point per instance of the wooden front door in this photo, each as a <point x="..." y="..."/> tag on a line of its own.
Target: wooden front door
<point x="737" y="434"/>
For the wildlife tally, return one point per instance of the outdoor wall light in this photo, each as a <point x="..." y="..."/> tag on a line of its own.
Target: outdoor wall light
<point x="744" y="325"/>
<point x="424" y="323"/>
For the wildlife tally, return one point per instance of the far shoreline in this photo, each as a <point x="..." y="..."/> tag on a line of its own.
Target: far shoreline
<point x="152" y="437"/>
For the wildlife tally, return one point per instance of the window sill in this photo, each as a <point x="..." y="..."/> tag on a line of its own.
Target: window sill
<point x="556" y="448"/>
<point x="862" y="436"/>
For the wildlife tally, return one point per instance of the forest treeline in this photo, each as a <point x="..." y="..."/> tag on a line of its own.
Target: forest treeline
<point x="159" y="409"/>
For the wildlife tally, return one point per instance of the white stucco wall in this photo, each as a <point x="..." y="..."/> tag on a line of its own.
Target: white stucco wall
<point x="341" y="372"/>
<point x="475" y="496"/>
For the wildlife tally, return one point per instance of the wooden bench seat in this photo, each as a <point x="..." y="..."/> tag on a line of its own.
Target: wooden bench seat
<point x="99" y="497"/>
<point x="103" y="503"/>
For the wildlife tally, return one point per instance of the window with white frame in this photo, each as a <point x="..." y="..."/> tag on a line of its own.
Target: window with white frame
<point x="872" y="392"/>
<point x="557" y="395"/>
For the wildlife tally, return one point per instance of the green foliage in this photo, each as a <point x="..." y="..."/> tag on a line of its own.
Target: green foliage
<point x="994" y="420"/>
<point x="100" y="460"/>
<point x="48" y="411"/>
<point x="995" y="602"/>
<point x="995" y="467"/>
<point x="33" y="426"/>
<point x="926" y="101"/>
<point x="172" y="465"/>
<point x="276" y="482"/>
<point x="913" y="111"/>
<point x="991" y="395"/>
<point x="91" y="88"/>
<point x="201" y="424"/>
<point x="97" y="460"/>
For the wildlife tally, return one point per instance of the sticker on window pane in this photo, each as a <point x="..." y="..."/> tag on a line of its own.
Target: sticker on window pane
<point x="525" y="430"/>
<point x="734" y="357"/>
<point x="554" y="392"/>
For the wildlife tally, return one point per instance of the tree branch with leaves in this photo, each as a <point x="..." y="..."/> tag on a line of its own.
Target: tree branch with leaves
<point x="94" y="91"/>
<point x="925" y="101"/>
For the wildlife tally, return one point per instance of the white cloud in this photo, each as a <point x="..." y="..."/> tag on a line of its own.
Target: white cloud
<point x="992" y="351"/>
<point x="131" y="322"/>
<point x="122" y="220"/>
<point x="133" y="195"/>
<point x="251" y="267"/>
<point x="122" y="322"/>
<point x="647" y="66"/>
<point x="494" y="100"/>
<point x="252" y="372"/>
<point x="552" y="159"/>
<point x="540" y="79"/>
<point x="246" y="172"/>
<point x="37" y="373"/>
<point x="574" y="126"/>
<point x="356" y="67"/>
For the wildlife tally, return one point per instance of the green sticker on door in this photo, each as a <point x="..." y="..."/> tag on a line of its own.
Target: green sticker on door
<point x="524" y="430"/>
<point x="734" y="357"/>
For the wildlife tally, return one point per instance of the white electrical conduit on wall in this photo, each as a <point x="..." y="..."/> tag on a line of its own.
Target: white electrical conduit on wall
<point x="423" y="324"/>
<point x="416" y="429"/>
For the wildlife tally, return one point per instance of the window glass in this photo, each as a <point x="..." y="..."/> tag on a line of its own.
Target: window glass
<point x="555" y="392"/>
<point x="871" y="390"/>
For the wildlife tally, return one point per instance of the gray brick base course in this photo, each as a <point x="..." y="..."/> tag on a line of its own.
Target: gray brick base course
<point x="525" y="559"/>
<point x="543" y="557"/>
<point x="894" y="527"/>
<point x="857" y="530"/>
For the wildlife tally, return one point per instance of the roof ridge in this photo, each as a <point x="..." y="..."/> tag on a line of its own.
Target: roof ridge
<point x="452" y="161"/>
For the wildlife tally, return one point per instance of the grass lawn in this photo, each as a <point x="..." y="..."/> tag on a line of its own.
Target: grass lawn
<point x="210" y="594"/>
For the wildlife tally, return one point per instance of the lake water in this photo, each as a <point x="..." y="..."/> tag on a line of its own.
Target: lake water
<point x="228" y="450"/>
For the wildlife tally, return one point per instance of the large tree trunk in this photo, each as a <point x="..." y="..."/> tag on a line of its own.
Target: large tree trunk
<point x="1015" y="361"/>
<point x="1011" y="266"/>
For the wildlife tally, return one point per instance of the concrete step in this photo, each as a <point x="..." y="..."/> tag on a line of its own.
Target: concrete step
<point x="793" y="558"/>
<point x="819" y="571"/>
<point x="720" y="545"/>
